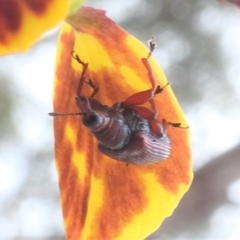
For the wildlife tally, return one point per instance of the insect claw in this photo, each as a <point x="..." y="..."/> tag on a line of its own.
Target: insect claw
<point x="177" y="125"/>
<point x="160" y="89"/>
<point x="174" y="124"/>
<point x="152" y="44"/>
<point x="76" y="57"/>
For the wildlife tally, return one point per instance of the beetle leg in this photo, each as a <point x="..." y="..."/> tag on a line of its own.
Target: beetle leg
<point x="143" y="112"/>
<point x="160" y="89"/>
<point x="150" y="74"/>
<point x="82" y="78"/>
<point x="157" y="128"/>
<point x="154" y="108"/>
<point x="152" y="45"/>
<point x="147" y="96"/>
<point x="95" y="89"/>
<point x="154" y="123"/>
<point x="177" y="125"/>
<point x="161" y="130"/>
<point x="144" y="96"/>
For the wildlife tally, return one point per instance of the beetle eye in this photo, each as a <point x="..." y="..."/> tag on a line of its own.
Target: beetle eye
<point x="91" y="119"/>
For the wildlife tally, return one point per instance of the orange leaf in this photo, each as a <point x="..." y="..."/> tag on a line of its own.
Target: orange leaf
<point x="103" y="198"/>
<point x="23" y="21"/>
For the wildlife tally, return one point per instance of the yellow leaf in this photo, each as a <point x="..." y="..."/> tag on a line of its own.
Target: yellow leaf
<point x="23" y="21"/>
<point x="103" y="198"/>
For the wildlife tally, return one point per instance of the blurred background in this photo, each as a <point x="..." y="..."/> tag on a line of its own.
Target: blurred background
<point x="199" y="51"/>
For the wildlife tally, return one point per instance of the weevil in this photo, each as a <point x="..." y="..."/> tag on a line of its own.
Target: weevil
<point x="126" y="131"/>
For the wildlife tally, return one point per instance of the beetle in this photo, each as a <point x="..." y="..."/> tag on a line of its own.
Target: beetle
<point x="126" y="131"/>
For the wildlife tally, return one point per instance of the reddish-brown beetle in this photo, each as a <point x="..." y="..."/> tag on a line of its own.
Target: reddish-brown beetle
<point x="126" y="131"/>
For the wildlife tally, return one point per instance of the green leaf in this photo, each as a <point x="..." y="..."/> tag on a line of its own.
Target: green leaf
<point x="74" y="6"/>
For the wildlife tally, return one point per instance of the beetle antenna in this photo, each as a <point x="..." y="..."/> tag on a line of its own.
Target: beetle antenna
<point x="53" y="114"/>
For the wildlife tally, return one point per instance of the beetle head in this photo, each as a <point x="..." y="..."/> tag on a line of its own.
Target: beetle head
<point x="95" y="115"/>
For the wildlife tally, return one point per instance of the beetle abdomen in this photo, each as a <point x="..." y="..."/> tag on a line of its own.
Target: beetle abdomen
<point x="143" y="148"/>
<point x="115" y="135"/>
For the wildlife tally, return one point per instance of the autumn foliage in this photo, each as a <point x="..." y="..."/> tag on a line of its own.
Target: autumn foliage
<point x="103" y="198"/>
<point x="23" y="21"/>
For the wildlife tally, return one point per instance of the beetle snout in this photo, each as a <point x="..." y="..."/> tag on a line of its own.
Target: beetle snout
<point x="80" y="99"/>
<point x="83" y="103"/>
